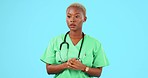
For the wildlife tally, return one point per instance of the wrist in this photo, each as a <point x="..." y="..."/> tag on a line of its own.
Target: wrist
<point x="85" y="69"/>
<point x="64" y="65"/>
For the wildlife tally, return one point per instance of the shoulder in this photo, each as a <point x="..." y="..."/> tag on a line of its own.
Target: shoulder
<point x="61" y="36"/>
<point x="56" y="39"/>
<point x="92" y="39"/>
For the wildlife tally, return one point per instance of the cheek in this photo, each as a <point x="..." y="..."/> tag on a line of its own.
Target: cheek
<point x="80" y="21"/>
<point x="67" y="20"/>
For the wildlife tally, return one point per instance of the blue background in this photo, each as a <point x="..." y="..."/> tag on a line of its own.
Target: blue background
<point x="26" y="26"/>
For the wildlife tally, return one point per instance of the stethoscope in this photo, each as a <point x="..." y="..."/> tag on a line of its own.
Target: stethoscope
<point x="64" y="42"/>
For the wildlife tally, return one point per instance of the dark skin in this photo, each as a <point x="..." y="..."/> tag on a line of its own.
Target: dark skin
<point x="75" y="19"/>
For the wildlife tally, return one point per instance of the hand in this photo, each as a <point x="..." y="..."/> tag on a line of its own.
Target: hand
<point x="75" y="64"/>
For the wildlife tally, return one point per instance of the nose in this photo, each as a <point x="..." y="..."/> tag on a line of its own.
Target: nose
<point x="72" y="19"/>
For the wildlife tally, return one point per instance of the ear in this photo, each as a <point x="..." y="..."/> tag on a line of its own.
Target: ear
<point x="85" y="18"/>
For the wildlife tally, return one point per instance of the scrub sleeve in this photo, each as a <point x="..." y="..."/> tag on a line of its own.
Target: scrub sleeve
<point x="100" y="59"/>
<point x="49" y="54"/>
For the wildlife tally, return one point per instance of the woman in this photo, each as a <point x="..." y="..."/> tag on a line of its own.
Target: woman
<point x="75" y="55"/>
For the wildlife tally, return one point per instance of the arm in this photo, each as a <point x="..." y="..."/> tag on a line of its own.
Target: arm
<point x="94" y="71"/>
<point x="77" y="65"/>
<point x="53" y="69"/>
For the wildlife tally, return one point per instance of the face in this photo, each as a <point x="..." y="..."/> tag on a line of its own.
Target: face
<point x="75" y="18"/>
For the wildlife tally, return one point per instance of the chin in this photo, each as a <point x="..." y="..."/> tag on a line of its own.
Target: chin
<point x="71" y="29"/>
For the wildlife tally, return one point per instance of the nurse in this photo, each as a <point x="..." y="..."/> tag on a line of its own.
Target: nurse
<point x="75" y="54"/>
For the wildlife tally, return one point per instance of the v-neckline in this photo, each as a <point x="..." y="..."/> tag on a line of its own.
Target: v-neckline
<point x="78" y="43"/>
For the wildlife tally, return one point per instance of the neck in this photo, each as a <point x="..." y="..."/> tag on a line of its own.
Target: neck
<point x="75" y="34"/>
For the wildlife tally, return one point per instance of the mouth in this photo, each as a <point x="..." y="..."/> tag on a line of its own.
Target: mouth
<point x="72" y="25"/>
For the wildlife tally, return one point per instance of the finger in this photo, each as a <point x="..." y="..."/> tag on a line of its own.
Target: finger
<point x="71" y="62"/>
<point x="72" y="59"/>
<point x="67" y="64"/>
<point x="70" y="66"/>
<point x="73" y="66"/>
<point x="77" y="62"/>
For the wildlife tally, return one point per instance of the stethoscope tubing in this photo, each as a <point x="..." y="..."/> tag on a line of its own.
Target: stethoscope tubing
<point x="64" y="42"/>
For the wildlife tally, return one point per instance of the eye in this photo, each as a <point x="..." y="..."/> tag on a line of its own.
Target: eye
<point x="77" y="16"/>
<point x="68" y="16"/>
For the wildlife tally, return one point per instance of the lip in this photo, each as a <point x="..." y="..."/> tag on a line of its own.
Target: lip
<point x="72" y="25"/>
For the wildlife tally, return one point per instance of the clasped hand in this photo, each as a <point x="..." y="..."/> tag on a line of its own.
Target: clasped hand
<point x="75" y="64"/>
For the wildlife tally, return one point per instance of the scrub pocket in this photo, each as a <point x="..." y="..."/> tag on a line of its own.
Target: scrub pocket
<point x="87" y="58"/>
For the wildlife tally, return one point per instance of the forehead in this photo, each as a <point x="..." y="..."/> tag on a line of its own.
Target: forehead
<point x="74" y="10"/>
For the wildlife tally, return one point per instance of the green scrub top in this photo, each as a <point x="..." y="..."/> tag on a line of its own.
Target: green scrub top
<point x="92" y="55"/>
